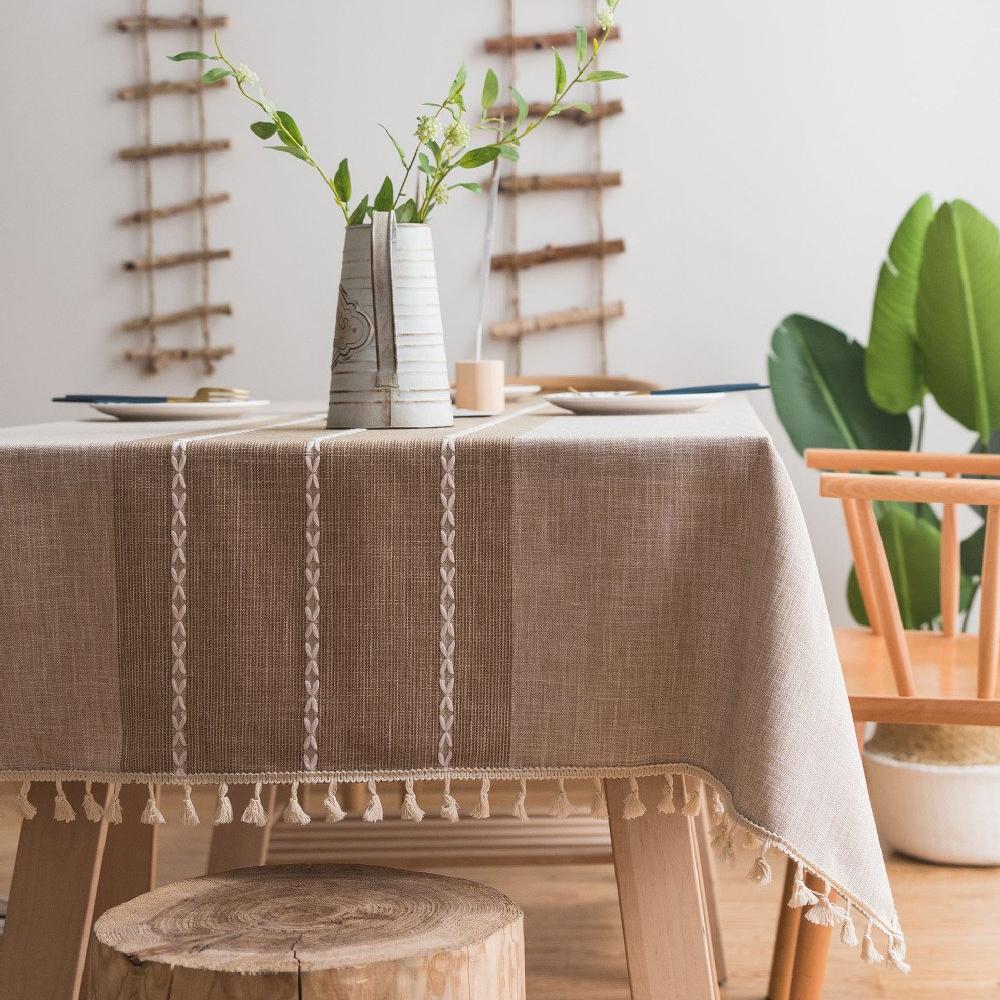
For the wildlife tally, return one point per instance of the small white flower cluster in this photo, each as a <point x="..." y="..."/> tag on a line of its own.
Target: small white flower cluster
<point x="426" y="128"/>
<point x="457" y="134"/>
<point x="605" y="15"/>
<point x="440" y="196"/>
<point x="245" y="76"/>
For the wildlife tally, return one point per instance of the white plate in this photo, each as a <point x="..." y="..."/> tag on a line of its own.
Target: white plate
<point x="627" y="403"/>
<point x="180" y="411"/>
<point x="519" y="391"/>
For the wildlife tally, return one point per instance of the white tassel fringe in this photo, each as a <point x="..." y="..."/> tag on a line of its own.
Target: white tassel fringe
<point x="633" y="807"/>
<point x="824" y="911"/>
<point x="869" y="953"/>
<point x="519" y="810"/>
<point x="294" y="813"/>
<point x="373" y="811"/>
<point x="760" y="870"/>
<point x="896" y="956"/>
<point x="113" y="813"/>
<point x="848" y="932"/>
<point x="254" y="813"/>
<point x="223" y="806"/>
<point x="802" y="895"/>
<point x="91" y="809"/>
<point x="24" y="807"/>
<point x="189" y="815"/>
<point x="666" y="803"/>
<point x="560" y="807"/>
<point x="410" y="809"/>
<point x="481" y="810"/>
<point x="63" y="811"/>
<point x="449" y="807"/>
<point x="692" y="798"/>
<point x="151" y="815"/>
<point x="334" y="811"/>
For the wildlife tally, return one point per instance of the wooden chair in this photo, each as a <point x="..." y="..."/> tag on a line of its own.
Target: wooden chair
<point x="896" y="675"/>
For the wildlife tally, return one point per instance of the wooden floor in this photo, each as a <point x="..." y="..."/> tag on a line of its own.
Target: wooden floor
<point x="574" y="942"/>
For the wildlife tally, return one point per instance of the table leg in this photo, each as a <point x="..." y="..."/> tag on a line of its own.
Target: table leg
<point x="661" y="894"/>
<point x="51" y="901"/>
<point x="811" y="952"/>
<point x="783" y="960"/>
<point x="710" y="876"/>
<point x="238" y="844"/>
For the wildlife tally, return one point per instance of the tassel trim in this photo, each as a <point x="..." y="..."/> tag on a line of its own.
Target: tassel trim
<point x="254" y="814"/>
<point x="449" y="807"/>
<point x="151" y="815"/>
<point x="633" y="807"/>
<point x="481" y="810"/>
<point x="331" y="805"/>
<point x="560" y="807"/>
<point x="373" y="811"/>
<point x="223" y="806"/>
<point x="726" y="832"/>
<point x="294" y="813"/>
<point x="91" y="809"/>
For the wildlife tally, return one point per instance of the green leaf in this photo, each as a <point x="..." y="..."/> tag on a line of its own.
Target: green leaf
<point x="294" y="150"/>
<point x="892" y="362"/>
<point x="468" y="185"/>
<point x="399" y="149"/>
<point x="477" y="157"/>
<point x="522" y="106"/>
<point x="358" y="215"/>
<point x="913" y="550"/>
<point x="558" y="109"/>
<point x="958" y="316"/>
<point x="289" y="126"/>
<point x="263" y="130"/>
<point x="435" y="149"/>
<point x="509" y="152"/>
<point x="184" y="56"/>
<point x="560" y="73"/>
<point x="600" y="75"/>
<point x="457" y="84"/>
<point x="342" y="182"/>
<point x="491" y="90"/>
<point x="407" y="212"/>
<point x="818" y="386"/>
<point x="218" y="73"/>
<point x="384" y="198"/>
<point x="581" y="46"/>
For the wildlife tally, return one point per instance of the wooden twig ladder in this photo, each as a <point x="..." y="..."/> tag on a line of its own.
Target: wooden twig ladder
<point x="592" y="182"/>
<point x="153" y="354"/>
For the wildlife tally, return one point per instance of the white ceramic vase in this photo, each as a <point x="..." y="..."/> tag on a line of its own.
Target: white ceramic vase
<point x="389" y="367"/>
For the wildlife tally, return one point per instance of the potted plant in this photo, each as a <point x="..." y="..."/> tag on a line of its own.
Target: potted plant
<point x="935" y="331"/>
<point x="389" y="367"/>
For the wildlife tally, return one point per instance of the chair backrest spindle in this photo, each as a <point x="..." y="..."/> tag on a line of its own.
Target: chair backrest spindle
<point x="949" y="568"/>
<point x="989" y="611"/>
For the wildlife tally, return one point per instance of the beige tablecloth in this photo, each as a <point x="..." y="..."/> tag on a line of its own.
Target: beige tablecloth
<point x="536" y="596"/>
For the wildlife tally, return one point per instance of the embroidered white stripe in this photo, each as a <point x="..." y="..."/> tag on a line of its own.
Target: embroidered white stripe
<point x="310" y="750"/>
<point x="178" y="575"/>
<point x="446" y="640"/>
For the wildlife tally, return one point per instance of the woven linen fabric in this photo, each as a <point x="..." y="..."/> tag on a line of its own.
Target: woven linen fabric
<point x="536" y="595"/>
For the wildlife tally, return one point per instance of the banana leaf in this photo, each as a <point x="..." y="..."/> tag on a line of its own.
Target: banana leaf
<point x="892" y="362"/>
<point x="818" y="387"/>
<point x="958" y="316"/>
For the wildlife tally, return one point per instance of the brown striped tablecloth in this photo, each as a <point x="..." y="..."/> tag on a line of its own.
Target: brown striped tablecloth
<point x="533" y="596"/>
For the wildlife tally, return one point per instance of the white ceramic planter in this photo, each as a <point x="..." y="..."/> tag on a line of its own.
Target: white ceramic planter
<point x="945" y="813"/>
<point x="389" y="367"/>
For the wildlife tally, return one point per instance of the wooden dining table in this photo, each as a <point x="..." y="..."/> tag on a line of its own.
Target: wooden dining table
<point x="264" y="606"/>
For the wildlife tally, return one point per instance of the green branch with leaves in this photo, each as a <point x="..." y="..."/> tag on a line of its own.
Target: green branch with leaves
<point x="444" y="139"/>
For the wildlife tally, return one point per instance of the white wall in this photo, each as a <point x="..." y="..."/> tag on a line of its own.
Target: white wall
<point x="768" y="150"/>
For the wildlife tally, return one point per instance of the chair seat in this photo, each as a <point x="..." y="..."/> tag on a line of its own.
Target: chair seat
<point x="944" y="673"/>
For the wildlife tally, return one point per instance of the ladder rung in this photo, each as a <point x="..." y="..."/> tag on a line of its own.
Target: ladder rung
<point x="514" y="328"/>
<point x="174" y="149"/>
<point x="555" y="39"/>
<point x="141" y="90"/>
<point x="524" y="183"/>
<point x="175" y="260"/>
<point x="178" y="208"/>
<point x="602" y="109"/>
<point x="188" y="22"/>
<point x="550" y="254"/>
<point x="169" y="319"/>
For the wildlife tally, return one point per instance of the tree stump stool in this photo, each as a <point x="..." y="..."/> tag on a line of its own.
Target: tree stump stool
<point x="311" y="932"/>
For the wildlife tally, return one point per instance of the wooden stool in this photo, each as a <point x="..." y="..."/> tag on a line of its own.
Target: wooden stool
<point x="311" y="932"/>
